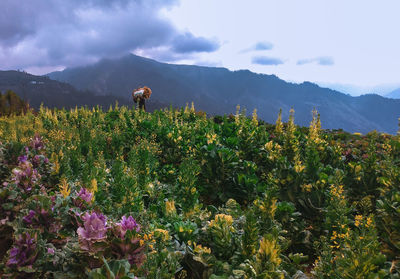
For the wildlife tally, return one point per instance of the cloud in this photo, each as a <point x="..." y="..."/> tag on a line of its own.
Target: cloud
<point x="265" y="60"/>
<point x="56" y="33"/>
<point x="187" y="43"/>
<point x="259" y="46"/>
<point x="263" y="46"/>
<point x="208" y="63"/>
<point x="323" y="61"/>
<point x="164" y="53"/>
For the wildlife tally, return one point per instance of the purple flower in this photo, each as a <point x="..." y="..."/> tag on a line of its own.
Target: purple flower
<point x="94" y="230"/>
<point x="25" y="175"/>
<point x="24" y="251"/>
<point x="22" y="158"/>
<point x="50" y="251"/>
<point x="39" y="160"/>
<point x="41" y="219"/>
<point x="36" y="142"/>
<point x="85" y="195"/>
<point x="127" y="224"/>
<point x="36" y="161"/>
<point x="28" y="218"/>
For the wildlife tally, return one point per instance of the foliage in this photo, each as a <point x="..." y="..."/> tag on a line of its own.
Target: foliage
<point x="174" y="194"/>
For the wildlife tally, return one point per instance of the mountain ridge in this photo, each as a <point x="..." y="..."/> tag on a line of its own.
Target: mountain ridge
<point x="219" y="90"/>
<point x="395" y="94"/>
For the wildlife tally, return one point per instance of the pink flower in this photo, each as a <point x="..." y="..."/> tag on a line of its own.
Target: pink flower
<point x="127" y="224"/>
<point x="85" y="195"/>
<point x="36" y="142"/>
<point x="25" y="175"/>
<point x="94" y="230"/>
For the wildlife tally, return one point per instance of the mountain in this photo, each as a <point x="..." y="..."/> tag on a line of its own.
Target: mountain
<point x="357" y="90"/>
<point x="52" y="93"/>
<point x="218" y="91"/>
<point x="395" y="94"/>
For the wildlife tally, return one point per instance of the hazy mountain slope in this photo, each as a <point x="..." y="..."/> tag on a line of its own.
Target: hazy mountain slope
<point x="395" y="94"/>
<point x="52" y="93"/>
<point x="218" y="91"/>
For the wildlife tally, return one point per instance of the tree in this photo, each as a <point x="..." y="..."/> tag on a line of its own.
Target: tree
<point x="11" y="103"/>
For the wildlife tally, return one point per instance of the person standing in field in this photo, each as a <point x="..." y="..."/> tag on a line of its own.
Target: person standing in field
<point x="140" y="95"/>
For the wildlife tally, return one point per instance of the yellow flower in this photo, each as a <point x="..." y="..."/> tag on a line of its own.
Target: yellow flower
<point x="198" y="249"/>
<point x="56" y="164"/>
<point x="64" y="188"/>
<point x="358" y="220"/>
<point x="223" y="218"/>
<point x="93" y="185"/>
<point x="337" y="192"/>
<point x="211" y="138"/>
<point x="164" y="234"/>
<point x="268" y="146"/>
<point x="170" y="207"/>
<point x="307" y="187"/>
<point x="254" y="118"/>
<point x="298" y="167"/>
<point x="279" y="124"/>
<point x="269" y="252"/>
<point x="334" y="235"/>
<point x="369" y="222"/>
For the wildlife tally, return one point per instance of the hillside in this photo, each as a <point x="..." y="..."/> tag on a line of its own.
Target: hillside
<point x="40" y="89"/>
<point x="172" y="194"/>
<point x="218" y="91"/>
<point x="52" y="93"/>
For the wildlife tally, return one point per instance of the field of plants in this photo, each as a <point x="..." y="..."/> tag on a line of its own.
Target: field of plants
<point x="122" y="193"/>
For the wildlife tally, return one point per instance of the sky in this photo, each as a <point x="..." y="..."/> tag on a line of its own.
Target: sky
<point x="348" y="45"/>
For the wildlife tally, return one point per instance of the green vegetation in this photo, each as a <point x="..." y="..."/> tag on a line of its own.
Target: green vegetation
<point x="173" y="194"/>
<point x="11" y="103"/>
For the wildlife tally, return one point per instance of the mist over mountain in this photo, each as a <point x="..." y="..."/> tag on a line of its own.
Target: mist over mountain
<point x="218" y="91"/>
<point x="358" y="90"/>
<point x="395" y="94"/>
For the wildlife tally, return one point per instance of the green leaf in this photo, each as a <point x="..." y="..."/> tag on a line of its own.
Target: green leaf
<point x="7" y="206"/>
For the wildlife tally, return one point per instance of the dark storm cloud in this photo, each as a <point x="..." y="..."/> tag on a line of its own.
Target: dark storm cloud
<point x="68" y="33"/>
<point x="323" y="61"/>
<point x="187" y="43"/>
<point x="265" y="60"/>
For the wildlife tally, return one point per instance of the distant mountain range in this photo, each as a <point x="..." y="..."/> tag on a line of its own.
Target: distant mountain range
<point x="41" y="89"/>
<point x="214" y="90"/>
<point x="395" y="94"/>
<point x="218" y="91"/>
<point x="52" y="93"/>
